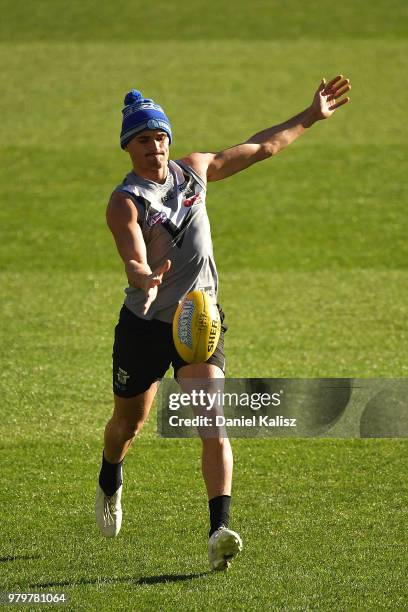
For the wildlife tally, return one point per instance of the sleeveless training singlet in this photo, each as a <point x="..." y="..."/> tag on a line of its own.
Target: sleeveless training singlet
<point x="174" y="223"/>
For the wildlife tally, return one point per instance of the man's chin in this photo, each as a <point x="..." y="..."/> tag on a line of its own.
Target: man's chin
<point x="157" y="162"/>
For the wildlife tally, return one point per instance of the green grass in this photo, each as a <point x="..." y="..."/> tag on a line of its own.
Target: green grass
<point x="157" y="21"/>
<point x="325" y="527"/>
<point x="312" y="255"/>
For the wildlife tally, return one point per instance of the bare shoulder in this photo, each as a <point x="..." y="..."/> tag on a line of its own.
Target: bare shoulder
<point x="199" y="162"/>
<point x="120" y="210"/>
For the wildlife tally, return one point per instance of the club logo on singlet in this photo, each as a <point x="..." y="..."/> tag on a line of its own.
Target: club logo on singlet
<point x="194" y="200"/>
<point x="157" y="217"/>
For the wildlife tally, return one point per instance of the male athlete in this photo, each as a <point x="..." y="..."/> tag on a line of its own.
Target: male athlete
<point x="159" y="221"/>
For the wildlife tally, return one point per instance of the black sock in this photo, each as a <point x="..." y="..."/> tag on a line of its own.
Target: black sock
<point x="219" y="512"/>
<point x="110" y="477"/>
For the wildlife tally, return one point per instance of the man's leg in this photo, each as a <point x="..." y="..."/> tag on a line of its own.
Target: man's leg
<point x="217" y="466"/>
<point x="217" y="460"/>
<point x="142" y="353"/>
<point x="128" y="417"/>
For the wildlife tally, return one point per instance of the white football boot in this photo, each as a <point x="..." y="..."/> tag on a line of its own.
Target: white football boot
<point x="108" y="512"/>
<point x="223" y="546"/>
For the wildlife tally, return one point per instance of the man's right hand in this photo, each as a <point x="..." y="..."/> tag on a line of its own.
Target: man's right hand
<point x="141" y="276"/>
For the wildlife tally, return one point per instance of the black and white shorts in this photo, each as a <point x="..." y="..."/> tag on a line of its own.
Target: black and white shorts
<point x="143" y="351"/>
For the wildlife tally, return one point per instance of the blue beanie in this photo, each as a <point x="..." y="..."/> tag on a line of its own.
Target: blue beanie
<point x="141" y="114"/>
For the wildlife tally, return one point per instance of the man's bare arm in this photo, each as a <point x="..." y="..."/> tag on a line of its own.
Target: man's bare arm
<point x="121" y="216"/>
<point x="264" y="144"/>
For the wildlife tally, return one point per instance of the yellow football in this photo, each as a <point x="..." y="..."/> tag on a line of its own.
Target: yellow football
<point x="196" y="327"/>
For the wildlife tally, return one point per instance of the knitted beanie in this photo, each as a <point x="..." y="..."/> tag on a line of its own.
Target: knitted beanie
<point x="141" y="114"/>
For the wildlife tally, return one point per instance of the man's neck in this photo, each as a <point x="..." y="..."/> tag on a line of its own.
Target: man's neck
<point x="157" y="175"/>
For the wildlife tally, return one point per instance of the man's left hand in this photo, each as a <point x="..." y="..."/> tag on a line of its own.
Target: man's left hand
<point x="328" y="97"/>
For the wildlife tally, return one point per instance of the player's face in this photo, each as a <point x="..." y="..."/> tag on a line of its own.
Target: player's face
<point x="149" y="149"/>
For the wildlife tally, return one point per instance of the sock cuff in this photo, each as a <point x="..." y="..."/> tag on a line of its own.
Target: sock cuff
<point x="104" y="460"/>
<point x="220" y="497"/>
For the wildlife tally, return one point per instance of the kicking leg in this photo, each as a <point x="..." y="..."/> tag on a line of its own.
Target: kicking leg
<point x="217" y="466"/>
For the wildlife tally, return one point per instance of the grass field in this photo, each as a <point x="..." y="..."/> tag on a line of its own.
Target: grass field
<point x="312" y="254"/>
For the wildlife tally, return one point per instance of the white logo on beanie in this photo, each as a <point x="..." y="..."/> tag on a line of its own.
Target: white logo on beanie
<point x="129" y="110"/>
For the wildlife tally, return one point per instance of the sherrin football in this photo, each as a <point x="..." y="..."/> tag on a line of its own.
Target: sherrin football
<point x="196" y="327"/>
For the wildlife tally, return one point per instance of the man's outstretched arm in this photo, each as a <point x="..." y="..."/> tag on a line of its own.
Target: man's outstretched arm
<point x="216" y="166"/>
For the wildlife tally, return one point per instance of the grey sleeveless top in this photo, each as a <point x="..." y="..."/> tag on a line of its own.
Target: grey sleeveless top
<point x="174" y="223"/>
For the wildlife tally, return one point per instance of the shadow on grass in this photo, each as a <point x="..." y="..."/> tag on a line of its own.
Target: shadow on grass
<point x="18" y="558"/>
<point x="169" y="578"/>
<point x="129" y="579"/>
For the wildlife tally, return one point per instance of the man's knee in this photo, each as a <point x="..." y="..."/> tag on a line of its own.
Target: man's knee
<point x="130" y="414"/>
<point x="128" y="429"/>
<point x="215" y="442"/>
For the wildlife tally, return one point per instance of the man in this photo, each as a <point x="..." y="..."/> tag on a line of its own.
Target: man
<point x="159" y="222"/>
